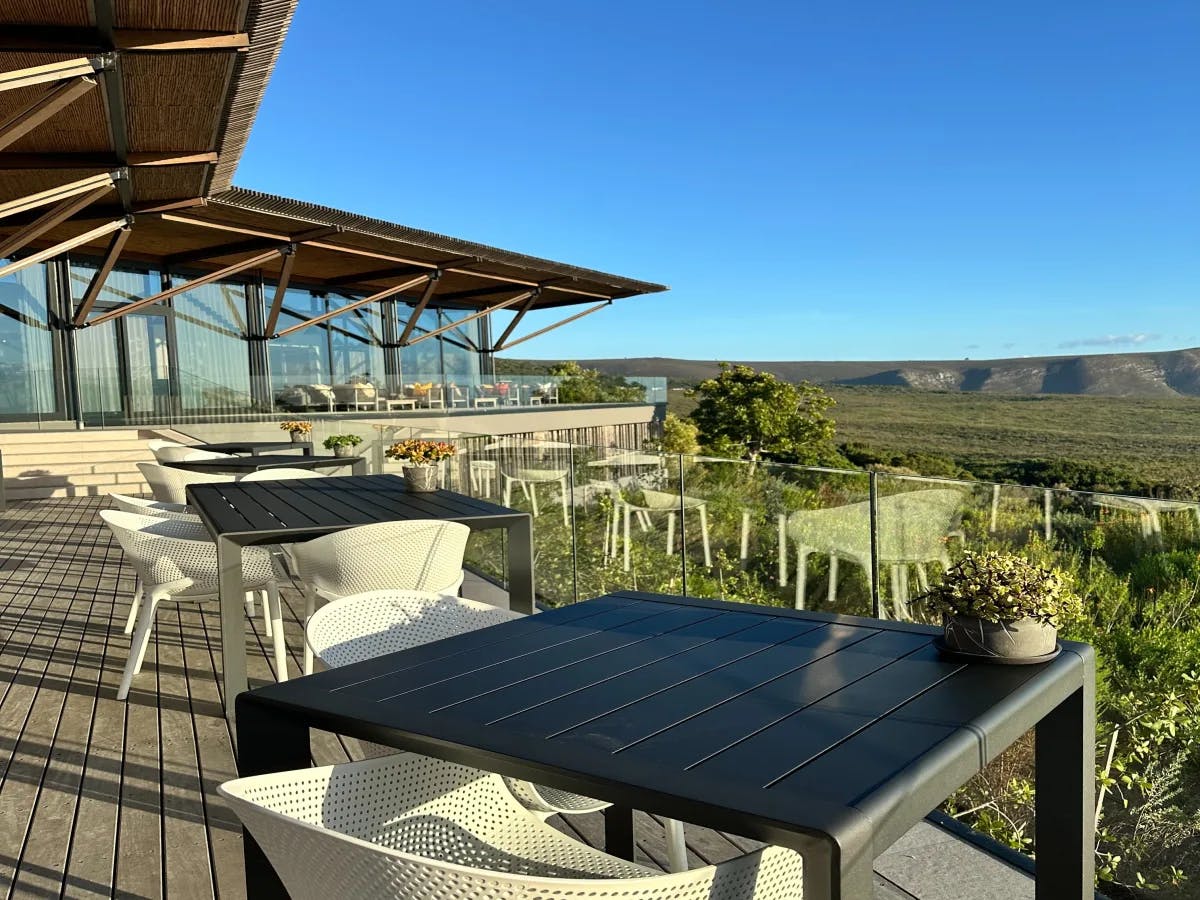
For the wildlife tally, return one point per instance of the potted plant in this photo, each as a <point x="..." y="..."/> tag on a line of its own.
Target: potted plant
<point x="420" y="459"/>
<point x="300" y="431"/>
<point x="1002" y="607"/>
<point x="342" y="444"/>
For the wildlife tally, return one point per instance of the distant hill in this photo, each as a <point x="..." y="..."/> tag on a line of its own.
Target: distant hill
<point x="1170" y="373"/>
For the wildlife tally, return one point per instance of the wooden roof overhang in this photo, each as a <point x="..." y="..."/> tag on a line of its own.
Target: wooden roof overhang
<point x="121" y="122"/>
<point x="287" y="241"/>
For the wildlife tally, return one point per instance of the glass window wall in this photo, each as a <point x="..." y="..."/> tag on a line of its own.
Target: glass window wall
<point x="27" y="373"/>
<point x="213" y="356"/>
<point x="299" y="363"/>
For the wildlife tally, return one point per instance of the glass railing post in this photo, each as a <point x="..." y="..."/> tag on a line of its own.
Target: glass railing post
<point x="873" y="574"/>
<point x="571" y="501"/>
<point x="683" y="557"/>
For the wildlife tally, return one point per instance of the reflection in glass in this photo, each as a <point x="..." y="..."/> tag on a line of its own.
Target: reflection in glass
<point x="26" y="358"/>
<point x="299" y="362"/>
<point x="214" y="362"/>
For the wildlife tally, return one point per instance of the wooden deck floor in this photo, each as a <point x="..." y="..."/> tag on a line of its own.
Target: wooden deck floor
<point x="103" y="798"/>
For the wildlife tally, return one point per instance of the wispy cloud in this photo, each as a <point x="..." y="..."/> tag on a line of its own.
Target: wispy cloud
<point x="1111" y="340"/>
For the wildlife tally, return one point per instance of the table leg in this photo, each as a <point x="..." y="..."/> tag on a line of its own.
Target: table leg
<point x="233" y="627"/>
<point x="1066" y="804"/>
<point x="520" y="566"/>
<point x="267" y="741"/>
<point x="835" y="873"/>
<point x="618" y="832"/>
<point x="359" y="466"/>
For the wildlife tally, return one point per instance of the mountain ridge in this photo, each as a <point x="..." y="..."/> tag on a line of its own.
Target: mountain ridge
<point x="1163" y="373"/>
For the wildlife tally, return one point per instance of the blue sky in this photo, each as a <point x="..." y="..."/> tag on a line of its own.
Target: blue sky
<point x="814" y="180"/>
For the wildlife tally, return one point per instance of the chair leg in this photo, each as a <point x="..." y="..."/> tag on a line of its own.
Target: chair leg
<point x="670" y="534"/>
<point x="250" y="604"/>
<point x="133" y="606"/>
<point x="564" y="491"/>
<point x="676" y="846"/>
<point x="310" y="606"/>
<point x="802" y="554"/>
<point x="506" y="483"/>
<point x="704" y="536"/>
<point x="531" y="493"/>
<point x="137" y="647"/>
<point x="272" y="592"/>
<point x="266" y="608"/>
<point x="831" y="595"/>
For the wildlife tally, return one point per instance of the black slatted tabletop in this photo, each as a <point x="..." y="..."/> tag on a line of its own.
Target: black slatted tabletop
<point x="238" y="465"/>
<point x="257" y="447"/>
<point x="298" y="509"/>
<point x="832" y="735"/>
<point x="247" y="513"/>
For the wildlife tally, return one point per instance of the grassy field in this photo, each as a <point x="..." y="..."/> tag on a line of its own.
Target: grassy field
<point x="1157" y="439"/>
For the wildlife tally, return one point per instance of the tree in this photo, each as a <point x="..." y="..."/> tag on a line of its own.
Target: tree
<point x="678" y="436"/>
<point x="744" y="413"/>
<point x="580" y="385"/>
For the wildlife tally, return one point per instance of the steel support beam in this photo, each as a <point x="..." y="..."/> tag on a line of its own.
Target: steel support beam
<point x="398" y="271"/>
<point x="501" y="345"/>
<point x="525" y="307"/>
<point x="382" y="295"/>
<point x="55" y="194"/>
<point x="54" y="217"/>
<point x="504" y="304"/>
<point x="55" y="71"/>
<point x="91" y="41"/>
<point x="21" y="123"/>
<point x="115" y="246"/>
<point x="426" y="296"/>
<point x="281" y="286"/>
<point x="242" y="266"/>
<point x="62" y="247"/>
<point x="249" y="246"/>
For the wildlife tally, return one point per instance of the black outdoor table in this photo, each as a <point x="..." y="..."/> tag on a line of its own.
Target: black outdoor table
<point x="244" y="514"/>
<point x="254" y="448"/>
<point x="832" y="735"/>
<point x="240" y="465"/>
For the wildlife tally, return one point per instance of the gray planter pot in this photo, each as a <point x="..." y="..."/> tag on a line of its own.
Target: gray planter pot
<point x="421" y="478"/>
<point x="343" y="450"/>
<point x="298" y="437"/>
<point x="1020" y="639"/>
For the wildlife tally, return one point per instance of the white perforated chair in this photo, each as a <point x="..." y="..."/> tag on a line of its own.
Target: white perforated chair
<point x="418" y="555"/>
<point x="144" y="507"/>
<point x="414" y="828"/>
<point x="157" y="445"/>
<point x="285" y="474"/>
<point x="186" y="454"/>
<point x="175" y="560"/>
<point x="167" y="485"/>
<point x="372" y="624"/>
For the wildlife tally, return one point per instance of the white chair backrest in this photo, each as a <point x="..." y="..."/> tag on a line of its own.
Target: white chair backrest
<point x="168" y="484"/>
<point x="144" y="507"/>
<point x="287" y="474"/>
<point x="410" y="826"/>
<point x="363" y="626"/>
<point x="913" y="526"/>
<point x="162" y="551"/>
<point x="418" y="555"/>
<point x="183" y="454"/>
